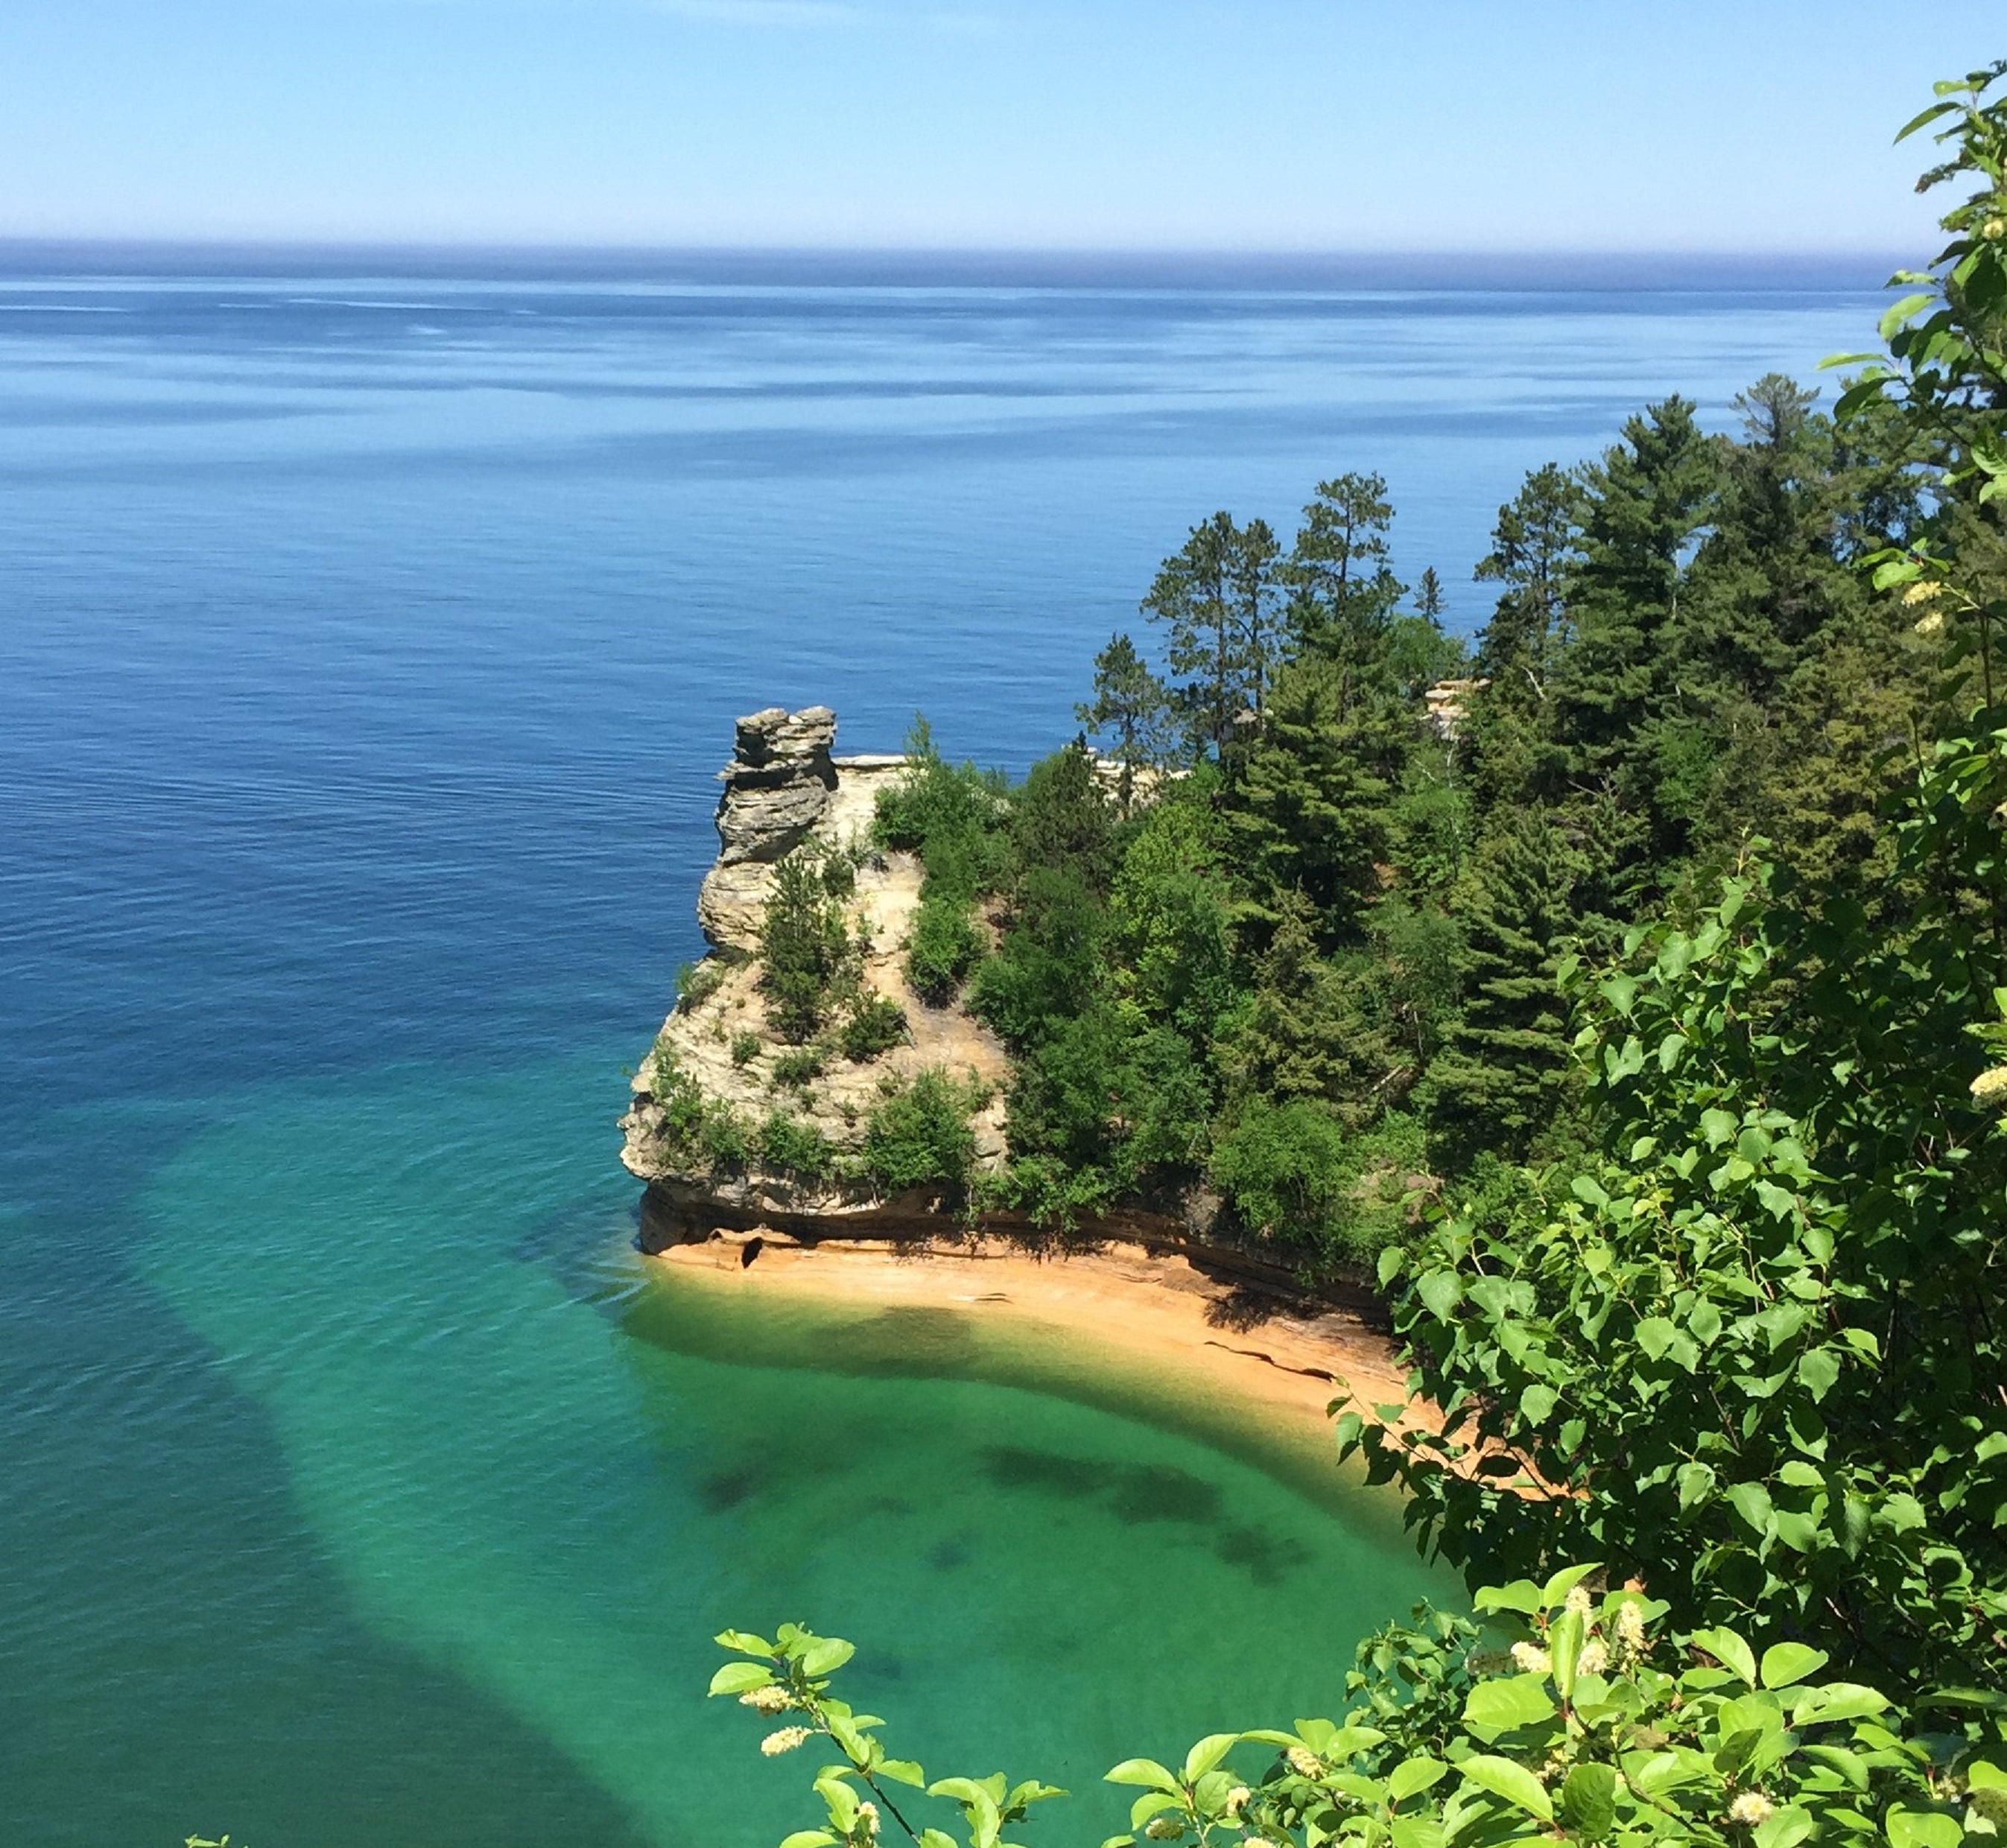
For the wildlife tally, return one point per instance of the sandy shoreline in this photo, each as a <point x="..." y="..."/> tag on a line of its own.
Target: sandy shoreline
<point x="1120" y="1302"/>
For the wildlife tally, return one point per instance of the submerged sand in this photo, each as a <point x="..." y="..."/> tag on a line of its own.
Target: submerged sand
<point x="1115" y="1302"/>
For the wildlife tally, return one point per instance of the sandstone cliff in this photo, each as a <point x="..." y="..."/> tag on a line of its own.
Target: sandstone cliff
<point x="786" y="793"/>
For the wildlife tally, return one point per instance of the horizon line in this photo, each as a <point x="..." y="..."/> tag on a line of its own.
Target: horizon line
<point x="1026" y="264"/>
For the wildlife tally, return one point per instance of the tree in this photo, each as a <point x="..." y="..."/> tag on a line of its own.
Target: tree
<point x="1428" y="595"/>
<point x="1500" y="1076"/>
<point x="1534" y="546"/>
<point x="1133" y="707"/>
<point x="1643" y="507"/>
<point x="1343" y="589"/>
<point x="1309" y="812"/>
<point x="1217" y="598"/>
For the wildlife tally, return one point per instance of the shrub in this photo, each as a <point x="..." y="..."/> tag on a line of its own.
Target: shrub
<point x="786" y="1142"/>
<point x="723" y="1138"/>
<point x="919" y="1133"/>
<point x="799" y="1069"/>
<point x="745" y="1048"/>
<point x="1591" y="1729"/>
<point x="877" y="1023"/>
<point x="944" y="947"/>
<point x="697" y="982"/>
<point x="1284" y="1166"/>
<point x="806" y="947"/>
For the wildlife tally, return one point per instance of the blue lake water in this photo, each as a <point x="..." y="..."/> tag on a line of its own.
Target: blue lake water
<point x="367" y="644"/>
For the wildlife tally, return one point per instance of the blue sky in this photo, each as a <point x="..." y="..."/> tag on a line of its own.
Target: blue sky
<point x="1273" y="124"/>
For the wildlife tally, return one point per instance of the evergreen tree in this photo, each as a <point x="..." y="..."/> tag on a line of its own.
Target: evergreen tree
<point x="1497" y="1082"/>
<point x="1643" y="508"/>
<point x="1533" y="548"/>
<point x="1342" y="586"/>
<point x="1428" y="595"/>
<point x="1132" y="707"/>
<point x="1309" y="810"/>
<point x="1217" y="596"/>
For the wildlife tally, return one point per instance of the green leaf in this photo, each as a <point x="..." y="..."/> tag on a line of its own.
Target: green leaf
<point x="1517" y="1785"/>
<point x="808" y="1838"/>
<point x="1719" y="1126"/>
<point x="902" y="1771"/>
<point x="1837" y="1701"/>
<point x="1209" y="1752"/>
<point x="1786" y="1664"/>
<point x="1924" y="120"/>
<point x="1924" y="1828"/>
<point x="744" y="1641"/>
<point x="1508" y="1703"/>
<point x="1537" y="1403"/>
<point x="1696" y="1482"/>
<point x="1725" y="1646"/>
<point x="1751" y="1501"/>
<point x="1413" y="1775"/>
<point x="1557" y="1588"/>
<point x="825" y="1655"/>
<point x="1133" y="1771"/>
<point x="1589" y="1801"/>
<point x="1901" y="311"/>
<point x="1785" y="1827"/>
<point x="1522" y="1595"/>
<point x="741" y="1678"/>
<point x="1416" y="1832"/>
<point x="1819" y="1369"/>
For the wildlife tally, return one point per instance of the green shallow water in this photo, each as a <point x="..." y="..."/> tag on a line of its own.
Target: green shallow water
<point x="549" y="1471"/>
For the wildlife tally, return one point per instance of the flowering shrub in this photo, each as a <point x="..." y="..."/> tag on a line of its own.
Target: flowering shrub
<point x="1587" y="1725"/>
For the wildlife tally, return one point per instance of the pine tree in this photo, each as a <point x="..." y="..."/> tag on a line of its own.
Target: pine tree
<point x="1499" y="1078"/>
<point x="1309" y="811"/>
<point x="1217" y="597"/>
<point x="1643" y="507"/>
<point x="1132" y="707"/>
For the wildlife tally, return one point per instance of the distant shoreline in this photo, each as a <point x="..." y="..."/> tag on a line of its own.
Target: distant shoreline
<point x="1532" y="272"/>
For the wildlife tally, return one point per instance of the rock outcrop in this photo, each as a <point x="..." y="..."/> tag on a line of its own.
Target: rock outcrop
<point x="778" y="786"/>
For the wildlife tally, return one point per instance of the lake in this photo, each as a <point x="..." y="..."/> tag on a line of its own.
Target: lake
<point x="369" y="632"/>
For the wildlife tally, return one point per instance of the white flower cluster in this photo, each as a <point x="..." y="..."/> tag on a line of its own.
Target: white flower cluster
<point x="766" y="1700"/>
<point x="785" y="1740"/>
<point x="1752" y="1809"/>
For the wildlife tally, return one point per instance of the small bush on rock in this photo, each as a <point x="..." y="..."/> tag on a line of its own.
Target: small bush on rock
<point x="919" y="1134"/>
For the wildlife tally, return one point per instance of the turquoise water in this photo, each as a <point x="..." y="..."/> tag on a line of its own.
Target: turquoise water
<point x="366" y="645"/>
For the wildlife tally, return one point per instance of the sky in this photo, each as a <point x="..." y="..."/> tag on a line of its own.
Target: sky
<point x="1283" y="126"/>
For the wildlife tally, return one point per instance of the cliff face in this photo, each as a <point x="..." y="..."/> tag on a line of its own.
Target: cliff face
<point x="717" y="1076"/>
<point x="785" y="792"/>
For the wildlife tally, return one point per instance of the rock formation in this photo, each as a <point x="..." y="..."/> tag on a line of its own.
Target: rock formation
<point x="777" y="787"/>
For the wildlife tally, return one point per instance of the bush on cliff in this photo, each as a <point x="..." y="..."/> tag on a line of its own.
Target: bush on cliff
<point x="919" y="1133"/>
<point x="805" y="947"/>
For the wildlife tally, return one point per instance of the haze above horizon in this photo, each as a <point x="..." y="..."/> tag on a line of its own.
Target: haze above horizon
<point x="1278" y="128"/>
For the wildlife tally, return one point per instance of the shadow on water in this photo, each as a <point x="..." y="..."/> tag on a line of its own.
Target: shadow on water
<point x="1137" y="1494"/>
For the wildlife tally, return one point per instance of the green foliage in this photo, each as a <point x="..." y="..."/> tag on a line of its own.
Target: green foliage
<point x="1217" y="598"/>
<point x="697" y="982"/>
<point x="1283" y="1165"/>
<point x="875" y="1023"/>
<point x="745" y="1049"/>
<point x="919" y="1135"/>
<point x="788" y="1144"/>
<point x="1594" y="1729"/>
<point x="798" y="1069"/>
<point x="806" y="948"/>
<point x="1131" y="708"/>
<point x="945" y="946"/>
